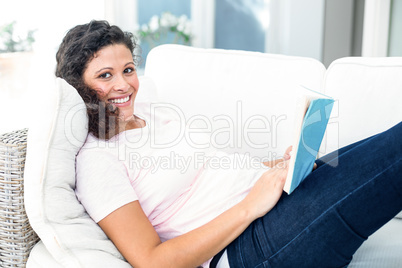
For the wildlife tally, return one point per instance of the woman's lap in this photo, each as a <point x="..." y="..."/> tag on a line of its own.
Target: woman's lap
<point x="351" y="194"/>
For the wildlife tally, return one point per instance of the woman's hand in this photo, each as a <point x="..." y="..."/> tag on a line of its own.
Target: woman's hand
<point x="286" y="156"/>
<point x="275" y="162"/>
<point x="267" y="190"/>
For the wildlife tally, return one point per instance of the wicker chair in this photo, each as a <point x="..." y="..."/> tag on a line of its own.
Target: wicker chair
<point x="16" y="235"/>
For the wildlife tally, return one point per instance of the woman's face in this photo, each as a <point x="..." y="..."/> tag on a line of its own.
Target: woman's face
<point x="112" y="74"/>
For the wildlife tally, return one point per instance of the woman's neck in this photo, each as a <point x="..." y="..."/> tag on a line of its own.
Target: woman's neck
<point x="132" y="123"/>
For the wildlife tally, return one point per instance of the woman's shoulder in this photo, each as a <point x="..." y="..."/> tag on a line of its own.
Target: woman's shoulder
<point x="97" y="147"/>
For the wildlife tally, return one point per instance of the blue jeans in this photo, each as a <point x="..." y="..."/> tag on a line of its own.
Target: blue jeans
<point x="351" y="194"/>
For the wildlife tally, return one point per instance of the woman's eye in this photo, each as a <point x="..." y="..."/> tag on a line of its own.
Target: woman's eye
<point x="105" y="75"/>
<point x="129" y="70"/>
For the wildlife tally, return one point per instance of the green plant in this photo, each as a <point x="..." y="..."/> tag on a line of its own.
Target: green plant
<point x="11" y="42"/>
<point x="166" y="29"/>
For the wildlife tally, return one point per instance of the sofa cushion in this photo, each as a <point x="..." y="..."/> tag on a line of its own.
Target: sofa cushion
<point x="367" y="93"/>
<point x="247" y="98"/>
<point x="382" y="249"/>
<point x="399" y="216"/>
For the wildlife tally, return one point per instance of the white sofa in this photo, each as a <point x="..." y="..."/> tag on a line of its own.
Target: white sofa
<point x="247" y="98"/>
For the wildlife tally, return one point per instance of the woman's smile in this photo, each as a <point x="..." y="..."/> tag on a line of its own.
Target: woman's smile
<point x="121" y="101"/>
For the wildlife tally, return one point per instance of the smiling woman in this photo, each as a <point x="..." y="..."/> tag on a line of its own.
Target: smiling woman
<point x="104" y="75"/>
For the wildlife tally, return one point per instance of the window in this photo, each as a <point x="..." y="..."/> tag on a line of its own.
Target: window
<point x="157" y="13"/>
<point x="241" y="24"/>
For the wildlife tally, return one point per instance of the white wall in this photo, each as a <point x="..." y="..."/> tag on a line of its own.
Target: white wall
<point x="33" y="78"/>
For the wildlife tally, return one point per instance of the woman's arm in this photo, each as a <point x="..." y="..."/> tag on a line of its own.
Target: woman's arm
<point x="134" y="236"/>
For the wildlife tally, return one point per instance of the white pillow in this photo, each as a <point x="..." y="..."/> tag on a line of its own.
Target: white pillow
<point x="69" y="235"/>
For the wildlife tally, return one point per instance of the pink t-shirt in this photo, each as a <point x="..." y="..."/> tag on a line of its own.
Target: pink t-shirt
<point x="180" y="183"/>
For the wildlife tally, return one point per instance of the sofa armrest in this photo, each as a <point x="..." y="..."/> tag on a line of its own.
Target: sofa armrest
<point x="16" y="235"/>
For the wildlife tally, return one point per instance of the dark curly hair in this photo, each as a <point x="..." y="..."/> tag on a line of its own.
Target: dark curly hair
<point x="77" y="49"/>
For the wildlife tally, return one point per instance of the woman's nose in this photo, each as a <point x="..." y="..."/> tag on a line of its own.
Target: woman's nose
<point x="121" y="84"/>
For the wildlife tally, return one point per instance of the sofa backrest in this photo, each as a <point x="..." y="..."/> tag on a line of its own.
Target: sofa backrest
<point x="246" y="97"/>
<point x="368" y="94"/>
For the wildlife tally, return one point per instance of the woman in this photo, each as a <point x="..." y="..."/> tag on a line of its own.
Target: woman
<point x="168" y="218"/>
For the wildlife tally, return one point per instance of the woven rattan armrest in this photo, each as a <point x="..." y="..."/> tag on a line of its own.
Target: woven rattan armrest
<point x="16" y="235"/>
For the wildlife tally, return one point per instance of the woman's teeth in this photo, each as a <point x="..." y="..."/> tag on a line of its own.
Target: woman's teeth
<point x="123" y="100"/>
